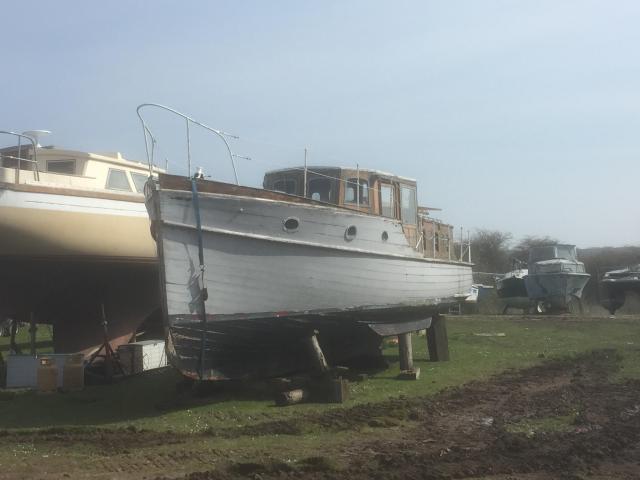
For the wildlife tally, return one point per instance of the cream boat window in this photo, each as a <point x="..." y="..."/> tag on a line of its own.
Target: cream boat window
<point x="67" y="167"/>
<point x="139" y="179"/>
<point x="117" y="180"/>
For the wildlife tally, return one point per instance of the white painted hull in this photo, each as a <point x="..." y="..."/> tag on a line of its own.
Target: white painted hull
<point x="254" y="267"/>
<point x="260" y="277"/>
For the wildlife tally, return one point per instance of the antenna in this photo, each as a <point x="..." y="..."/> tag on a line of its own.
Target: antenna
<point x="36" y="134"/>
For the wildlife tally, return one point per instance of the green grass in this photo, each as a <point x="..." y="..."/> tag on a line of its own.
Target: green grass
<point x="151" y="401"/>
<point x="532" y="426"/>
<point x="44" y="341"/>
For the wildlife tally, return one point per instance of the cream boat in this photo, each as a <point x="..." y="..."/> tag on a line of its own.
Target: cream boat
<point x="75" y="236"/>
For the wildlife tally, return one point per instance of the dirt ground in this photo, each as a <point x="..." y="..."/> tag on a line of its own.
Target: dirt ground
<point x="562" y="419"/>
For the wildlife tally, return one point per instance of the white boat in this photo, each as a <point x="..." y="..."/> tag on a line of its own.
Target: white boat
<point x="556" y="278"/>
<point x="249" y="273"/>
<point x="75" y="237"/>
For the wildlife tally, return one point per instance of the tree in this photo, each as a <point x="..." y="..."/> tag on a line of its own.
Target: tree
<point x="521" y="250"/>
<point x="490" y="250"/>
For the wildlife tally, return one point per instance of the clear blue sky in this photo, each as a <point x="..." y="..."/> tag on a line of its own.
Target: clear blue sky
<point x="522" y="116"/>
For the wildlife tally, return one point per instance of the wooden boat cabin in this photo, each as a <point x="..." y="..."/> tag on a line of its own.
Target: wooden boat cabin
<point x="373" y="192"/>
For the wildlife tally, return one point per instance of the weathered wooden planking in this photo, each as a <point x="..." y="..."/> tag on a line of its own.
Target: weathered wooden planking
<point x="323" y="225"/>
<point x="247" y="275"/>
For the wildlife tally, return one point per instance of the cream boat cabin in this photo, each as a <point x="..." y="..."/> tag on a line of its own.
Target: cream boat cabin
<point x="75" y="236"/>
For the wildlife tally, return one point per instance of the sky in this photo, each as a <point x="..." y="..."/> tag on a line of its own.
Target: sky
<point x="518" y="116"/>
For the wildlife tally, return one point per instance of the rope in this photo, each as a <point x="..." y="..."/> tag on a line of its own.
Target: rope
<point x="203" y="290"/>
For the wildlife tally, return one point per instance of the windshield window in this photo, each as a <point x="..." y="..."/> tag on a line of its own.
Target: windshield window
<point x="286" y="185"/>
<point x="408" y="205"/>
<point x="320" y="189"/>
<point x="350" y="191"/>
<point x="117" y="180"/>
<point x="387" y="201"/>
<point x="565" y="251"/>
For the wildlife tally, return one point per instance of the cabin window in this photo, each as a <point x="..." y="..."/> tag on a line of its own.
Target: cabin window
<point x="320" y="189"/>
<point x="286" y="185"/>
<point x="139" y="180"/>
<point x="117" y="180"/>
<point x="408" y="205"/>
<point x="387" y="201"/>
<point x="66" y="167"/>
<point x="350" y="191"/>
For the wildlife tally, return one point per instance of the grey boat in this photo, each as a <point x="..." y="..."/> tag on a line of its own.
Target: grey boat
<point x="556" y="278"/>
<point x="249" y="274"/>
<point x="616" y="284"/>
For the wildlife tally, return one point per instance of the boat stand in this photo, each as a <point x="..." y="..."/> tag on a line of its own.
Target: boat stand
<point x="438" y="340"/>
<point x="324" y="385"/>
<point x="111" y="360"/>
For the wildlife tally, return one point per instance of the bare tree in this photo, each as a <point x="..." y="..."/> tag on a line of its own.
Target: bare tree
<point x="491" y="250"/>
<point x="521" y="250"/>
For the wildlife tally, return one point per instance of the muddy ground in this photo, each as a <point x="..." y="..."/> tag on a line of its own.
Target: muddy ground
<point x="565" y="418"/>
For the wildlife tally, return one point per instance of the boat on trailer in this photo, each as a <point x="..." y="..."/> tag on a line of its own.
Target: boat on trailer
<point x="555" y="279"/>
<point x="248" y="275"/>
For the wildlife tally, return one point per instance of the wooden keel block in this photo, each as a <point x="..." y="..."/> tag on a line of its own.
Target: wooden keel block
<point x="292" y="397"/>
<point x="437" y="340"/>
<point x="406" y="351"/>
<point x="338" y="390"/>
<point x="413" y="374"/>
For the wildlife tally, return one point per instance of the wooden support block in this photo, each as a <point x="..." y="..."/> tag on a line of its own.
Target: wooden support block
<point x="339" y="390"/>
<point x="406" y="351"/>
<point x="413" y="374"/>
<point x="292" y="397"/>
<point x="437" y="340"/>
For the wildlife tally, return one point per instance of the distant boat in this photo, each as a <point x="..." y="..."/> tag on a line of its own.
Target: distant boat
<point x="615" y="284"/>
<point x="248" y="274"/>
<point x="512" y="284"/>
<point x="75" y="236"/>
<point x="556" y="278"/>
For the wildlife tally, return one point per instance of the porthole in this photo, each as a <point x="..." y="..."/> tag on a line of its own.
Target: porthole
<point x="291" y="224"/>
<point x="385" y="236"/>
<point x="350" y="232"/>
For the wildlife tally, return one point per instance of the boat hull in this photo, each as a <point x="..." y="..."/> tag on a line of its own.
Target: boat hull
<point x="65" y="253"/>
<point x="511" y="287"/>
<point x="615" y="290"/>
<point x="260" y="277"/>
<point x="556" y="290"/>
<point x="43" y="224"/>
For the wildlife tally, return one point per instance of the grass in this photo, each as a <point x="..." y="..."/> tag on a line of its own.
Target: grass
<point x="530" y="427"/>
<point x="44" y="340"/>
<point x="152" y="401"/>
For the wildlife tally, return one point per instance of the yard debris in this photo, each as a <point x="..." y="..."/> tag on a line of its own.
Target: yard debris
<point x="500" y="334"/>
